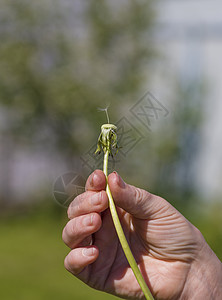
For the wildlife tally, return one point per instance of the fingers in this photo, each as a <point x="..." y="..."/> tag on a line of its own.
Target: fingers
<point x="138" y="202"/>
<point x="80" y="228"/>
<point x="79" y="258"/>
<point x="96" y="181"/>
<point x="88" y="202"/>
<point x="93" y="200"/>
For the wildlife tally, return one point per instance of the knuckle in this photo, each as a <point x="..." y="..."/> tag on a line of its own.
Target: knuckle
<point x="64" y="234"/>
<point x="66" y="265"/>
<point x="70" y="211"/>
<point x="75" y="206"/>
<point x="104" y="199"/>
<point x="139" y="195"/>
<point x="95" y="199"/>
<point x="71" y="228"/>
<point x="69" y="235"/>
<point x="71" y="264"/>
<point x="99" y="201"/>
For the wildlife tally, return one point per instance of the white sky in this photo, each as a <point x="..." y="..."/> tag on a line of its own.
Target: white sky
<point x="180" y="51"/>
<point x="187" y="11"/>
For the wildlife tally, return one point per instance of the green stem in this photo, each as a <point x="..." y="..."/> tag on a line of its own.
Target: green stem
<point x="122" y="237"/>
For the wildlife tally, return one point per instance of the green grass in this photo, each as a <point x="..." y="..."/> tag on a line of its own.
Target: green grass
<point x="31" y="262"/>
<point x="32" y="253"/>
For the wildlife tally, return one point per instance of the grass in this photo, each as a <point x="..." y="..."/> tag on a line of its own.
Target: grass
<point x="31" y="261"/>
<point x="32" y="254"/>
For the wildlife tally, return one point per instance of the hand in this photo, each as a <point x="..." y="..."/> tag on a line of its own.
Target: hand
<point x="171" y="253"/>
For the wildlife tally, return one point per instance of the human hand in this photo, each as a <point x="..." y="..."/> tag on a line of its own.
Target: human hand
<point x="171" y="253"/>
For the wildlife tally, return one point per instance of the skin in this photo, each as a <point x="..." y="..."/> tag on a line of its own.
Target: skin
<point x="171" y="253"/>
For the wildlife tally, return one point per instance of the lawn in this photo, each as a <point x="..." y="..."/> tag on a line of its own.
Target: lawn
<point x="31" y="261"/>
<point x="32" y="254"/>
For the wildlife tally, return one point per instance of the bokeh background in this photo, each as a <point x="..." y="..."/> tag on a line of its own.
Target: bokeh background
<point x="158" y="67"/>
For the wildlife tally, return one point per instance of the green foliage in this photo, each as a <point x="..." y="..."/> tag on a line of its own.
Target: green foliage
<point x="59" y="63"/>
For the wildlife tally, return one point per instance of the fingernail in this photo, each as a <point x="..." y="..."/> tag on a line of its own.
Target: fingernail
<point x="91" y="178"/>
<point x="119" y="180"/>
<point x="88" y="220"/>
<point x="88" y="251"/>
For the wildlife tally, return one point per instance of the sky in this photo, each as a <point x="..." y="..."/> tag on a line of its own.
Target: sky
<point x="191" y="32"/>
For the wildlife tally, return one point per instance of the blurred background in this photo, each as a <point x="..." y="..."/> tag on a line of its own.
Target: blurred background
<point x="158" y="67"/>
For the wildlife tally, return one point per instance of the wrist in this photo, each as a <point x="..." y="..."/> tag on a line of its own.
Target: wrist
<point x="205" y="276"/>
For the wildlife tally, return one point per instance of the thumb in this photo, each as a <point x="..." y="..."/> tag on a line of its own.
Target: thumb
<point x="138" y="202"/>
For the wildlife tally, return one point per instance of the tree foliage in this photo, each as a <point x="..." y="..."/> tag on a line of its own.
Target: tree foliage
<point x="60" y="60"/>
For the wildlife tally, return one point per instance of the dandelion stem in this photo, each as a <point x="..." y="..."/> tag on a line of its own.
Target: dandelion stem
<point x="121" y="234"/>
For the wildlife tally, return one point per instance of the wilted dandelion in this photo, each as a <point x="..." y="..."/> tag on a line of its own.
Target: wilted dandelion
<point x="107" y="141"/>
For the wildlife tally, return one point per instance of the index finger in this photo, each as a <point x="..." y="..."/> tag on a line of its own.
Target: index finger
<point x="96" y="181"/>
